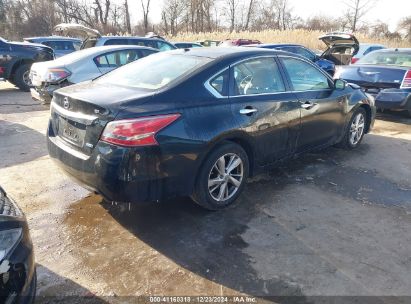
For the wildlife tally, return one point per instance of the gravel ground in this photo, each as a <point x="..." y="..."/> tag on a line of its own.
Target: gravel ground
<point x="332" y="223"/>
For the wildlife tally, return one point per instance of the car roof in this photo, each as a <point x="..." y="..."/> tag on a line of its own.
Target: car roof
<point x="277" y="45"/>
<point x="52" y="38"/>
<point x="371" y="44"/>
<point x="229" y="52"/>
<point x="401" y="50"/>
<point x="131" y="37"/>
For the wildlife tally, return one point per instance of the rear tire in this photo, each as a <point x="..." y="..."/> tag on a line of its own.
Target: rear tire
<point x="355" y="130"/>
<point x="21" y="77"/>
<point x="222" y="177"/>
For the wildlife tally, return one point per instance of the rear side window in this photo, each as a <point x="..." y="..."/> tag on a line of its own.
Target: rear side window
<point x="116" y="59"/>
<point x="163" y="46"/>
<point x="257" y="76"/>
<point x="304" y="76"/>
<point x="60" y="45"/>
<point x="220" y="83"/>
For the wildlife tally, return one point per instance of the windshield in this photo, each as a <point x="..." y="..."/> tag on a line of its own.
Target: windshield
<point x="154" y="72"/>
<point x="387" y="58"/>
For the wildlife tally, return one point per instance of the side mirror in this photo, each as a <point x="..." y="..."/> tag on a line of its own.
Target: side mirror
<point x="340" y="84"/>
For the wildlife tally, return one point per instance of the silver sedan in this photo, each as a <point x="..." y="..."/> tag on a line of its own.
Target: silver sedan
<point x="87" y="64"/>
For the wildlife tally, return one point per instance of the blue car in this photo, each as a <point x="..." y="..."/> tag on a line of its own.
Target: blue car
<point x="385" y="74"/>
<point x="325" y="64"/>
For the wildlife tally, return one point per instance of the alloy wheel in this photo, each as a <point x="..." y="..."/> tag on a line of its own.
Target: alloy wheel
<point x="26" y="78"/>
<point x="225" y="177"/>
<point x="357" y="129"/>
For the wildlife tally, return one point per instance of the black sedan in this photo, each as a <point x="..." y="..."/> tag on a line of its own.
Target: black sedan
<point x="17" y="267"/>
<point x="385" y="74"/>
<point x="199" y="122"/>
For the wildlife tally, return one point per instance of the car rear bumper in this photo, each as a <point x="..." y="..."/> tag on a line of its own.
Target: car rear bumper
<point x="44" y="94"/>
<point x="393" y="99"/>
<point x="121" y="174"/>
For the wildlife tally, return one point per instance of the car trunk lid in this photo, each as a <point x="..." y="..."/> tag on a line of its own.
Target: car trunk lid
<point x="77" y="30"/>
<point x="373" y="78"/>
<point x="79" y="114"/>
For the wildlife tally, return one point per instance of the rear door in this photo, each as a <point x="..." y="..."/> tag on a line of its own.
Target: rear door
<point x="264" y="108"/>
<point x="322" y="107"/>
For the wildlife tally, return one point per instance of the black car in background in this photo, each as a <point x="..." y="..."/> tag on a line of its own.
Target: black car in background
<point x="385" y="74"/>
<point x="198" y="122"/>
<point x="16" y="59"/>
<point x="301" y="50"/>
<point x="17" y="266"/>
<point x="61" y="45"/>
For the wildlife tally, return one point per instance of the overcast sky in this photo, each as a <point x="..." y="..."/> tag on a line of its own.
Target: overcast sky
<point x="389" y="11"/>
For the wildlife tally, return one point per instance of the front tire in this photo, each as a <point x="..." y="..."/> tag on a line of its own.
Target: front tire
<point x="222" y="177"/>
<point x="21" y="77"/>
<point x="355" y="130"/>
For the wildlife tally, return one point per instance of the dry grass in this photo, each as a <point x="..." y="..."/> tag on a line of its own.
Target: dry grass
<point x="304" y="37"/>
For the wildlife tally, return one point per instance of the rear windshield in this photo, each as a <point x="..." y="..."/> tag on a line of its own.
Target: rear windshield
<point x="154" y="72"/>
<point x="387" y="58"/>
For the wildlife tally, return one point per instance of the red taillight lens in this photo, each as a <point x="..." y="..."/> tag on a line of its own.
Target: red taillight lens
<point x="136" y="132"/>
<point x="354" y="60"/>
<point x="2" y="70"/>
<point x="57" y="74"/>
<point x="406" y="83"/>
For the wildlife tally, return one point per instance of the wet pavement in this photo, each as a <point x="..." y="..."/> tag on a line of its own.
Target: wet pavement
<point x="332" y="223"/>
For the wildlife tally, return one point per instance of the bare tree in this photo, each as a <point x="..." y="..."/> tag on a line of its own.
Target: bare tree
<point x="145" y="5"/>
<point x="230" y="10"/>
<point x="357" y="9"/>
<point x="249" y="13"/>
<point x="127" y="17"/>
<point x="405" y="25"/>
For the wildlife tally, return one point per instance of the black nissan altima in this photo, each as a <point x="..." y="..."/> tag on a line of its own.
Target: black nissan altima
<point x="199" y="122"/>
<point x="17" y="267"/>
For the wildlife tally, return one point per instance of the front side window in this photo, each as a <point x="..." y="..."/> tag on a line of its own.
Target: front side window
<point x="155" y="71"/>
<point x="257" y="76"/>
<point x="304" y="76"/>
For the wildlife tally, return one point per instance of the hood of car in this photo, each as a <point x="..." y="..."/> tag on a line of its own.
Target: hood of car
<point x="31" y="46"/>
<point x="337" y="38"/>
<point x="75" y="30"/>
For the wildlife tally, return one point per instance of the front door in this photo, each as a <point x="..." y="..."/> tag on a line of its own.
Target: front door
<point x="322" y="107"/>
<point x="264" y="108"/>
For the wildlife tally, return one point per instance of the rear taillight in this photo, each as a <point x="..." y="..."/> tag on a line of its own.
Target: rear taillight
<point x="406" y="82"/>
<point x="136" y="132"/>
<point x="354" y="60"/>
<point x="2" y="70"/>
<point x="56" y="75"/>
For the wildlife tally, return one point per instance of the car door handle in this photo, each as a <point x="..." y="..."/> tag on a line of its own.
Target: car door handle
<point x="248" y="111"/>
<point x="307" y="104"/>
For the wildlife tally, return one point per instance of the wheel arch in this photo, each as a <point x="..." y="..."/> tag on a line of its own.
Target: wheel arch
<point x="238" y="138"/>
<point x="19" y="63"/>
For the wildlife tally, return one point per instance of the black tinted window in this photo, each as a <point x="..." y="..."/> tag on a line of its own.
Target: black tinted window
<point x="304" y="76"/>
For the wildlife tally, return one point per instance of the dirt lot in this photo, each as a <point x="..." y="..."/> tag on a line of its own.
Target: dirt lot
<point x="331" y="223"/>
